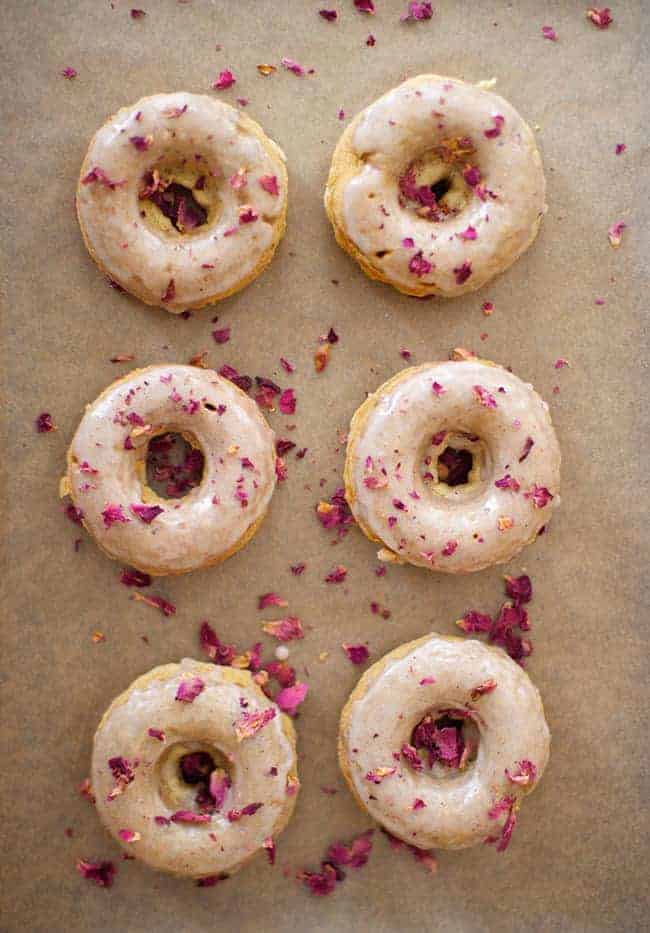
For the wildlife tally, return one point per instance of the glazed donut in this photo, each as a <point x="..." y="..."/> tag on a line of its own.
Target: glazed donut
<point x="194" y="769"/>
<point x="182" y="200"/>
<point x="467" y="413"/>
<point x="107" y="469"/>
<point x="436" y="187"/>
<point x="441" y="739"/>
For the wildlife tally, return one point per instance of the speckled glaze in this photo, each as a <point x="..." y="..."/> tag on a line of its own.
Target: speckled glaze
<point x="209" y="523"/>
<point x="393" y="432"/>
<point x="205" y="264"/>
<point x="196" y="850"/>
<point x="362" y="194"/>
<point x="388" y="703"/>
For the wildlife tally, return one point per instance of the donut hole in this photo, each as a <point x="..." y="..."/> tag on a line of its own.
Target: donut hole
<point x="174" y="465"/>
<point x="179" y="198"/>
<point x="446" y="742"/>
<point x="458" y="465"/>
<point x="194" y="776"/>
<point x="433" y="187"/>
<point x="455" y="466"/>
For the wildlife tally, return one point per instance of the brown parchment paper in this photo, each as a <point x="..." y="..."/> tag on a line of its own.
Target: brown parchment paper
<point x="578" y="860"/>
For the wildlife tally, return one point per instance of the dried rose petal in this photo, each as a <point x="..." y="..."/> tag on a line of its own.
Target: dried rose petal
<point x="236" y="814"/>
<point x="286" y="629"/>
<point x="138" y="14"/>
<point x="620" y="148"/>
<point x="519" y="588"/>
<point x="601" y="18"/>
<point x="287" y="403"/>
<point x="337" y="575"/>
<point x="293" y="66"/>
<point x="449" y="548"/>
<point x="225" y="80"/>
<point x="221" y="335"/>
<point x="44" y="423"/>
<point x="507" y="482"/>
<point x="69" y="73"/>
<point x="463" y="272"/>
<point x="410" y="753"/>
<point x="270" y="184"/>
<point x="330" y="15"/>
<point x="355" y="853"/>
<point x="249" y="724"/>
<point x="156" y="602"/>
<point x="134" y="578"/>
<point x="365" y="6"/>
<point x="146" y="513"/>
<point x="549" y="33"/>
<point x="129" y="835"/>
<point x="215" y="650"/>
<point x="290" y="698"/>
<point x="113" y="514"/>
<point x="468" y="234"/>
<point x="97" y="174"/>
<point x="481" y="689"/>
<point x="419" y="266"/>
<point x="495" y="131"/>
<point x="188" y="816"/>
<point x="102" y="873"/>
<point x="417" y="11"/>
<point x="525" y="774"/>
<point x="141" y="143"/>
<point x="156" y="734"/>
<point x="377" y="775"/>
<point x="615" y="232"/>
<point x="484" y="397"/>
<point x="189" y="690"/>
<point x="539" y="495"/>
<point x="319" y="883"/>
<point x="475" y="622"/>
<point x="358" y="654"/>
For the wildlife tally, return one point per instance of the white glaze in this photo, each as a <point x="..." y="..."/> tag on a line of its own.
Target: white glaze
<point x="389" y="702"/>
<point x="401" y="126"/>
<point x="209" y="521"/>
<point x="397" y="435"/>
<point x="185" y="848"/>
<point x="144" y="260"/>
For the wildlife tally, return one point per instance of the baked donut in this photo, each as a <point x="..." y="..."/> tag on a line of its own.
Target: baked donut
<point x="440" y="740"/>
<point x="194" y="769"/>
<point x="436" y="187"/>
<point x="107" y="469"/>
<point x="452" y="466"/>
<point x="182" y="200"/>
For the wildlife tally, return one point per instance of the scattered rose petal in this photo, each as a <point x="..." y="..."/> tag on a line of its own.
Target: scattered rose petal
<point x="129" y="835"/>
<point x="377" y="775"/>
<point x="102" y="873"/>
<point x="189" y="816"/>
<point x="44" y="423"/>
<point x="146" y="513"/>
<point x="549" y="33"/>
<point x="484" y="397"/>
<point x="138" y="14"/>
<point x="69" y="73"/>
<point x="468" y="234"/>
<point x="481" y="689"/>
<point x="270" y="184"/>
<point x="620" y="148"/>
<point x="249" y="724"/>
<point x="287" y="629"/>
<point x="287" y="403"/>
<point x="463" y="272"/>
<point x="114" y="514"/>
<point x="601" y="18"/>
<point x="156" y="602"/>
<point x="365" y="6"/>
<point x="337" y="575"/>
<point x="358" y="654"/>
<point x="225" y="80"/>
<point x="221" y="335"/>
<point x="354" y="854"/>
<point x="134" y="578"/>
<point x="290" y="698"/>
<point x="539" y="495"/>
<point x="615" y="233"/>
<point x="293" y="66"/>
<point x="189" y="690"/>
<point x="417" y="11"/>
<point x="141" y="143"/>
<point x="329" y="15"/>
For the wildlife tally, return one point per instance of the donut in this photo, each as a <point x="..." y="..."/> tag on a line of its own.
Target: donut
<point x="453" y="466"/>
<point x="441" y="739"/>
<point x="107" y="469"/>
<point x="182" y="200"/>
<point x="194" y="769"/>
<point x="436" y="187"/>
